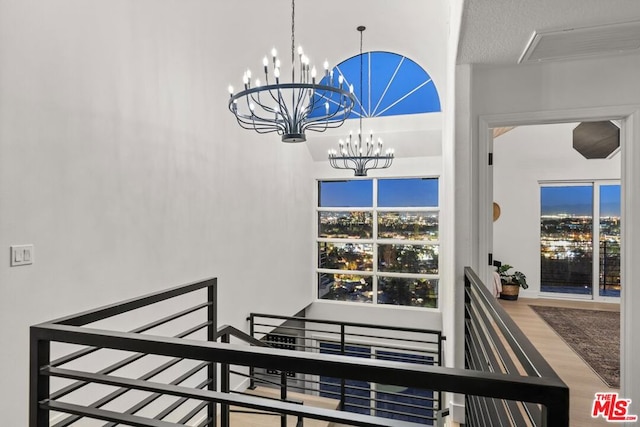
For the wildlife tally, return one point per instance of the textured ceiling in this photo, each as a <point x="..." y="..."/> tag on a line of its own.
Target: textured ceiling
<point x="497" y="31"/>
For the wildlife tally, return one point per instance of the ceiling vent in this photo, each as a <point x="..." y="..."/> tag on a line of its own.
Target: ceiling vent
<point x="582" y="42"/>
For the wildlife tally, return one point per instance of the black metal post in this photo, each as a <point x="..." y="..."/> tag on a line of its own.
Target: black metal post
<point x="212" y="317"/>
<point x="467" y="316"/>
<point x="342" y="380"/>
<point x="440" y="363"/>
<point x="283" y="396"/>
<point x="225" y="387"/>
<point x="556" y="413"/>
<point x="252" y="370"/>
<point x="39" y="384"/>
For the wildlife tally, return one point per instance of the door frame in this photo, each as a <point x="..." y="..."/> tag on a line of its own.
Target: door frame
<point x="629" y="116"/>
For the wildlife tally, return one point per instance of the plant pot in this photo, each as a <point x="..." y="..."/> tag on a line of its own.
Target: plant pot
<point x="510" y="292"/>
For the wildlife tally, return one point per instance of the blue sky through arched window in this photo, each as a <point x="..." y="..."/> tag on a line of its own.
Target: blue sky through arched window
<point x="392" y="84"/>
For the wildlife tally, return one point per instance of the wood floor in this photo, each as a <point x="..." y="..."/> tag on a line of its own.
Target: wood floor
<point x="582" y="381"/>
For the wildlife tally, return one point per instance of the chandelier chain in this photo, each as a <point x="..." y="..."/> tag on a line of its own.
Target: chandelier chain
<point x="293" y="38"/>
<point x="361" y="78"/>
<point x="363" y="153"/>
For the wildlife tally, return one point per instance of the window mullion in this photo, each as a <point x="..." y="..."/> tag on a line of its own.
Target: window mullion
<point x="350" y="233"/>
<point x="595" y="242"/>
<point x="374" y="284"/>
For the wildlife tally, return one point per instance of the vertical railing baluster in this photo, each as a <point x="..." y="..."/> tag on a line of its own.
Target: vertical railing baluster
<point x="40" y="352"/>
<point x="212" y="317"/>
<point x="225" y="386"/>
<point x="252" y="370"/>
<point x="440" y="363"/>
<point x="283" y="396"/>
<point x="342" y="380"/>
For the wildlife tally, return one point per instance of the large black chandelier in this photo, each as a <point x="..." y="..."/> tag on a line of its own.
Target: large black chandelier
<point x="290" y="109"/>
<point x="356" y="154"/>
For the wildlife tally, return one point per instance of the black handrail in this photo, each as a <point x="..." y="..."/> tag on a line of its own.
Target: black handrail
<point x="548" y="391"/>
<point x="486" y="353"/>
<point x="40" y="354"/>
<point x="235" y="332"/>
<point x="295" y="332"/>
<point x="339" y="322"/>
<point x="543" y="390"/>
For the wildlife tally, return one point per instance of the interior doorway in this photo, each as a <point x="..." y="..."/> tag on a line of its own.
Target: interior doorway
<point x="629" y="117"/>
<point x="559" y="205"/>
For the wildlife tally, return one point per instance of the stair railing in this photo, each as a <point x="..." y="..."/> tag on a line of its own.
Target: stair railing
<point x="196" y="347"/>
<point x="495" y="345"/>
<point x="305" y="334"/>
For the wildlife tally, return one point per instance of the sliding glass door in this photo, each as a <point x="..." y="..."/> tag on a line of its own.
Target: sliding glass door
<point x="580" y="223"/>
<point x="609" y="241"/>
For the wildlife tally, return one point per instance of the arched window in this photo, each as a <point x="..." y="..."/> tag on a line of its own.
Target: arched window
<point x="392" y="85"/>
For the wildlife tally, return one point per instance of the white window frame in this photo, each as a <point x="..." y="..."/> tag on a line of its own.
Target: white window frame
<point x="375" y="241"/>
<point x="595" y="238"/>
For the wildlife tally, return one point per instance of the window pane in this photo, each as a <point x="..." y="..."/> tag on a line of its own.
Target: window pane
<point x="403" y="241"/>
<point x="411" y="292"/>
<point x="404" y="403"/>
<point x="345" y="256"/>
<point x="408" y="225"/>
<point x="609" y="240"/>
<point x="408" y="192"/>
<point x="566" y="227"/>
<point x="357" y="394"/>
<point x="345" y="287"/>
<point x="408" y="258"/>
<point x="346" y="225"/>
<point x="354" y="193"/>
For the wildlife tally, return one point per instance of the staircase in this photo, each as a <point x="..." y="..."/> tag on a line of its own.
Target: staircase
<point x="241" y="417"/>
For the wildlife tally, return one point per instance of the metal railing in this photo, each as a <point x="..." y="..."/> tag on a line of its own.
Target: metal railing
<point x="176" y="373"/>
<point x="71" y="399"/>
<point x="494" y="345"/>
<point x="360" y="340"/>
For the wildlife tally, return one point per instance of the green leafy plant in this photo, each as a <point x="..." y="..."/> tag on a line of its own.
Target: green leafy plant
<point x="515" y="278"/>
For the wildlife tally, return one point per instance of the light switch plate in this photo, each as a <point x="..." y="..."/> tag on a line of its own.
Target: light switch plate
<point x="21" y="255"/>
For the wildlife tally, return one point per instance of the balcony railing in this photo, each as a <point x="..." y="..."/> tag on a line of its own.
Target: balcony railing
<point x="164" y="373"/>
<point x="495" y="345"/>
<point x="361" y="340"/>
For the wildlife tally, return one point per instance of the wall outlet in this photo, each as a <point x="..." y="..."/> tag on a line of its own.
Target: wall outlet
<point x="21" y="255"/>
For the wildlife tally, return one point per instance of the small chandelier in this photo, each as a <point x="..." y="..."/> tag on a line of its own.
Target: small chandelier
<point x="356" y="154"/>
<point x="290" y="109"/>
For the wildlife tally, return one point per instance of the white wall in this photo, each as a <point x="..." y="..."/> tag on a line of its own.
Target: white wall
<point x="558" y="91"/>
<point x="522" y="158"/>
<point x="120" y="162"/>
<point x="556" y="85"/>
<point x="405" y="317"/>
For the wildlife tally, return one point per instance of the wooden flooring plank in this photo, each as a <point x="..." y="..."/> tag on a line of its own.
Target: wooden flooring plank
<point x="582" y="381"/>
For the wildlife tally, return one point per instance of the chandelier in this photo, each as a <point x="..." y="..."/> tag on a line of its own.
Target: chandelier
<point x="356" y="154"/>
<point x="290" y="109"/>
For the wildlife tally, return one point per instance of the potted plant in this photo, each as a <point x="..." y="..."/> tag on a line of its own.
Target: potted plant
<point x="511" y="282"/>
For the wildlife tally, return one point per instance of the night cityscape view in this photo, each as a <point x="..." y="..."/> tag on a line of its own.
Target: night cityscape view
<point x="358" y="257"/>
<point x="566" y="240"/>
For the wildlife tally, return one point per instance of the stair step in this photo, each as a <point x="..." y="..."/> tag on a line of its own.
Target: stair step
<point x="309" y="400"/>
<point x="270" y="420"/>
